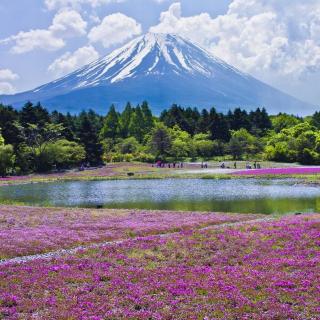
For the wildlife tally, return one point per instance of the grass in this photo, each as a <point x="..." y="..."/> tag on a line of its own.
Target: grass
<point x="121" y="174"/>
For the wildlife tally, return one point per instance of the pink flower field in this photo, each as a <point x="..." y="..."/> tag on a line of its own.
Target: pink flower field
<point x="280" y="171"/>
<point x="31" y="230"/>
<point x="261" y="270"/>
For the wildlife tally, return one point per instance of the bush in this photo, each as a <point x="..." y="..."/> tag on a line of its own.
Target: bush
<point x="64" y="154"/>
<point x="6" y="159"/>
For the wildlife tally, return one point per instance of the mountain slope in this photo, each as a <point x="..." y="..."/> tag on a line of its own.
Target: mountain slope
<point x="162" y="69"/>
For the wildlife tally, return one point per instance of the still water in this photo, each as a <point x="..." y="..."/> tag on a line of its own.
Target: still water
<point x="240" y="195"/>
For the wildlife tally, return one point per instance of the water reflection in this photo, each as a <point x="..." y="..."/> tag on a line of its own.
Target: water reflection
<point x="240" y="195"/>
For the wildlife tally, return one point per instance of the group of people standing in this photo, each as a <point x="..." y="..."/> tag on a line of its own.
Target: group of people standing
<point x="256" y="165"/>
<point x="162" y="164"/>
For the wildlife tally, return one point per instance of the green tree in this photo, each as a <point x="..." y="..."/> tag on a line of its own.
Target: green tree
<point x="284" y="121"/>
<point x="181" y="143"/>
<point x="147" y="117"/>
<point x="128" y="145"/>
<point x="38" y="138"/>
<point x="65" y="154"/>
<point x="125" y="120"/>
<point x="315" y="120"/>
<point x="260" y="122"/>
<point x="9" y="123"/>
<point x="242" y="142"/>
<point x="204" y="122"/>
<point x="137" y="125"/>
<point x="204" y="147"/>
<point x="111" y="125"/>
<point x="36" y="115"/>
<point x="299" y="143"/>
<point x="219" y="127"/>
<point x="239" y="119"/>
<point x="67" y="122"/>
<point x="6" y="158"/>
<point x="87" y="133"/>
<point x="160" y="141"/>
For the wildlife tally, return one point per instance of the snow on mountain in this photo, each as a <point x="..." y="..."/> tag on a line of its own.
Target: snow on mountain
<point x="162" y="69"/>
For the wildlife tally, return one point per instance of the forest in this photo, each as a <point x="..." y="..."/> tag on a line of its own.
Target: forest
<point x="33" y="139"/>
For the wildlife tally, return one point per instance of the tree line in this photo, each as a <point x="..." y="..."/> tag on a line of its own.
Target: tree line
<point x="34" y="140"/>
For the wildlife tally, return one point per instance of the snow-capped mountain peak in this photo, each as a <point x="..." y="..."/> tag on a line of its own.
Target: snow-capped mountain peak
<point x="150" y="54"/>
<point x="162" y="69"/>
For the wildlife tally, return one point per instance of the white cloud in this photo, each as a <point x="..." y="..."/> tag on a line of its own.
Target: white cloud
<point x="34" y="39"/>
<point x="6" y="88"/>
<point x="8" y="75"/>
<point x="57" y="4"/>
<point x="114" y="29"/>
<point x="255" y="35"/>
<point x="72" y="61"/>
<point x="66" y="23"/>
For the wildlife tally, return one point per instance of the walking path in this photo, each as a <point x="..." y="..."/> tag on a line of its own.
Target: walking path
<point x="63" y="252"/>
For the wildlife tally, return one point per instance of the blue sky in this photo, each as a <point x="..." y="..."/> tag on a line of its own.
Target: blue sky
<point x="276" y="41"/>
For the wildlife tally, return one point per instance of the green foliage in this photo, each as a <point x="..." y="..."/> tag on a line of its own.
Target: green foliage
<point x="65" y="154"/>
<point x="6" y="159"/>
<point x="204" y="147"/>
<point x="128" y="145"/>
<point x="125" y="119"/>
<point x="243" y="143"/>
<point x="39" y="140"/>
<point x="260" y="122"/>
<point x="87" y="133"/>
<point x="137" y="124"/>
<point x="300" y="143"/>
<point x="283" y="121"/>
<point x="160" y="141"/>
<point x="219" y="127"/>
<point x="1" y="140"/>
<point x="36" y="115"/>
<point x="315" y="120"/>
<point x="181" y="144"/>
<point x="147" y="117"/>
<point x="9" y="125"/>
<point x="111" y="125"/>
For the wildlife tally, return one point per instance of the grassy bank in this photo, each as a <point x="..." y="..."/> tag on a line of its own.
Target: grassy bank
<point x="129" y="171"/>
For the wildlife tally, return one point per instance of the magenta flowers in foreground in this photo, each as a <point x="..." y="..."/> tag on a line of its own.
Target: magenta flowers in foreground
<point x="280" y="171"/>
<point x="268" y="270"/>
<point x="31" y="230"/>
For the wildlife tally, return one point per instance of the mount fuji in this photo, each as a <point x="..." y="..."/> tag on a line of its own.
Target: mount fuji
<point x="161" y="69"/>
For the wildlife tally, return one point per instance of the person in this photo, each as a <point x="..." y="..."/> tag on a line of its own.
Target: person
<point x="255" y="164"/>
<point x="235" y="165"/>
<point x="181" y="165"/>
<point x="223" y="165"/>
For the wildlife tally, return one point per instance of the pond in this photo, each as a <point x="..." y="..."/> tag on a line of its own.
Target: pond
<point x="238" y="195"/>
